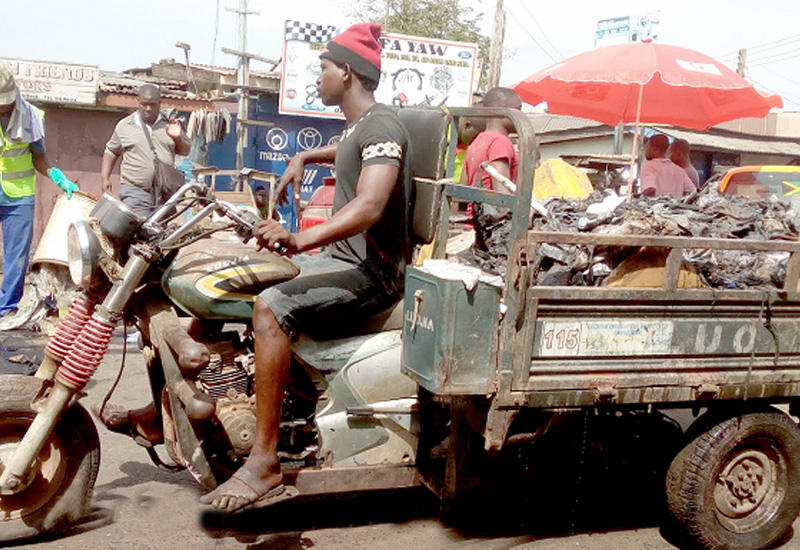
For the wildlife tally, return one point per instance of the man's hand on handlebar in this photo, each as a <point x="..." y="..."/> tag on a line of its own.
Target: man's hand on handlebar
<point x="273" y="236"/>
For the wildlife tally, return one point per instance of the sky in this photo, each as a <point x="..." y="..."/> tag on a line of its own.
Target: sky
<point x="116" y="35"/>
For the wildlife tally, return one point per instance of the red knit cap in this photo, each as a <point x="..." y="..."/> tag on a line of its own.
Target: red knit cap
<point x="358" y="46"/>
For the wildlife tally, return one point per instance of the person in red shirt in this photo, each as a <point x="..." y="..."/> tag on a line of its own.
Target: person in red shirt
<point x="493" y="145"/>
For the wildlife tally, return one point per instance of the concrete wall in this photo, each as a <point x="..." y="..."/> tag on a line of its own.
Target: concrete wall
<point x="75" y="140"/>
<point x="751" y="159"/>
<point x="598" y="145"/>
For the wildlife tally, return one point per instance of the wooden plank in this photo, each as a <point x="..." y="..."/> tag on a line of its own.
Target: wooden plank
<point x="673" y="269"/>
<point x="592" y="293"/>
<point x="660" y="241"/>
<point x="792" y="272"/>
<point x="347" y="479"/>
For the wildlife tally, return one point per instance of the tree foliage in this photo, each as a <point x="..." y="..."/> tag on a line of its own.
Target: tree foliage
<point x="443" y="19"/>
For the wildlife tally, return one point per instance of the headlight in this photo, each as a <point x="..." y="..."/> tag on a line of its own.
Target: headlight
<point x="82" y="252"/>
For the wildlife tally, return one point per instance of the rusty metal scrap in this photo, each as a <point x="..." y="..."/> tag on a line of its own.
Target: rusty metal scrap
<point x="706" y="214"/>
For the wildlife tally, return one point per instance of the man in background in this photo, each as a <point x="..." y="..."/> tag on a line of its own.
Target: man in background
<point x="492" y="145"/>
<point x="22" y="153"/>
<point x="659" y="175"/>
<point x="131" y="141"/>
<point x="260" y="196"/>
<point x="468" y="129"/>
<point x="678" y="153"/>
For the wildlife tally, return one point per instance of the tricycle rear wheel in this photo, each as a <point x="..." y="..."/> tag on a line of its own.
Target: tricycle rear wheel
<point x="59" y="489"/>
<point x="737" y="485"/>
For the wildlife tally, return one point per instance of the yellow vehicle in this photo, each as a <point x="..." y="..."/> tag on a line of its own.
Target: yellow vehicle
<point x="759" y="182"/>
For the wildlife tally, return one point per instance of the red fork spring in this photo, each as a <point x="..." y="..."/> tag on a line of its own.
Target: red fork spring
<point x="69" y="328"/>
<point x="85" y="354"/>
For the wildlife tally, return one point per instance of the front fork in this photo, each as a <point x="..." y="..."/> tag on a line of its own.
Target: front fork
<point x="71" y="358"/>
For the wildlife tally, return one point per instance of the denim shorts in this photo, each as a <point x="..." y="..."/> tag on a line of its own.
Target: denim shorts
<point x="327" y="293"/>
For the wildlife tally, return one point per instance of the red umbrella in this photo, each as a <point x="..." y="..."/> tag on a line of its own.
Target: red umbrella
<point x="648" y="83"/>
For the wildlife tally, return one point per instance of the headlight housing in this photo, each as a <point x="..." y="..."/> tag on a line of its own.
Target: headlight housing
<point x="83" y="250"/>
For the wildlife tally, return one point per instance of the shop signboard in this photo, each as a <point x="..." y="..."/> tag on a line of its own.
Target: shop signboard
<point x="53" y="82"/>
<point x="641" y="27"/>
<point x="415" y="71"/>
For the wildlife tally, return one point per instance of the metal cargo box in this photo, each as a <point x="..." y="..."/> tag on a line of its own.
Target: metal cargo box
<point x="450" y="334"/>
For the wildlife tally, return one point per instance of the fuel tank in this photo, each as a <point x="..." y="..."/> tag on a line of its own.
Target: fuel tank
<point x="220" y="277"/>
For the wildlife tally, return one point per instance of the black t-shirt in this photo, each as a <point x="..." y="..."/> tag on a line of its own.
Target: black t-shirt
<point x="378" y="137"/>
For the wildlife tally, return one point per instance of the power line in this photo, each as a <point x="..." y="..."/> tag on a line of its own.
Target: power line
<point x="773" y="44"/>
<point x="544" y="34"/>
<point x="514" y="17"/>
<point x="777" y="43"/>
<point x="776" y="54"/>
<point x="776" y="73"/>
<point x="785" y="56"/>
<point x="785" y="98"/>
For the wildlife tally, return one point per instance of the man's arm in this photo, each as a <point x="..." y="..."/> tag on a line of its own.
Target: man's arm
<point x="373" y="191"/>
<point x="504" y="169"/>
<point x="42" y="163"/>
<point x="688" y="185"/>
<point x="296" y="168"/>
<point x="107" y="166"/>
<point x="40" y="160"/>
<point x="647" y="181"/>
<point x="499" y="154"/>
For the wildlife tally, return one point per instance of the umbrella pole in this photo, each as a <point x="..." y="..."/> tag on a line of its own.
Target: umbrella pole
<point x="635" y="141"/>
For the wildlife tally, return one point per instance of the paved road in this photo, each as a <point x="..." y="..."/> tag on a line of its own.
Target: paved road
<point x="137" y="506"/>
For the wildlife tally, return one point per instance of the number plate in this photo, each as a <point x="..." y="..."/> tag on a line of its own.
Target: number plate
<point x="586" y="338"/>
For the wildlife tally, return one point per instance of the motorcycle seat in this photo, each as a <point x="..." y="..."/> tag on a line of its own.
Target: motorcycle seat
<point x="388" y="319"/>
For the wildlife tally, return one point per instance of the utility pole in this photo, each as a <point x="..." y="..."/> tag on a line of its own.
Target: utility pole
<point x="243" y="81"/>
<point x="742" y="62"/>
<point x="496" y="53"/>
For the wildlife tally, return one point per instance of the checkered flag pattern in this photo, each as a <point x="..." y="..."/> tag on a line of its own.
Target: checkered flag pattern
<point x="309" y="32"/>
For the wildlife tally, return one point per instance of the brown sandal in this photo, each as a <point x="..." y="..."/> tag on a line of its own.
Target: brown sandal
<point x="117" y="419"/>
<point x="256" y="495"/>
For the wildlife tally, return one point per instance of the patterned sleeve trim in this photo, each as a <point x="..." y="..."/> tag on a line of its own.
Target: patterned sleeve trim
<point x="386" y="149"/>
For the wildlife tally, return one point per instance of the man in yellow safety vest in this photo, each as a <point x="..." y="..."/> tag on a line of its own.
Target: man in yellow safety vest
<point x="22" y="153"/>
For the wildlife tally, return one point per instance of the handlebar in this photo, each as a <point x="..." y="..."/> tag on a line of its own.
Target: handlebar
<point x="244" y="220"/>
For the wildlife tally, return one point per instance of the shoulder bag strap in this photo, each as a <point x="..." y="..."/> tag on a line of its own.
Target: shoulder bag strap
<point x="154" y="192"/>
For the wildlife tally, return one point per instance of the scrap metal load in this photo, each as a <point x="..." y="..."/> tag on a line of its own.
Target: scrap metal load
<point x="704" y="214"/>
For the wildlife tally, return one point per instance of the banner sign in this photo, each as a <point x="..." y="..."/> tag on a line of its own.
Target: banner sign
<point x="291" y="135"/>
<point x="414" y="71"/>
<point x="51" y="82"/>
<point x="631" y="28"/>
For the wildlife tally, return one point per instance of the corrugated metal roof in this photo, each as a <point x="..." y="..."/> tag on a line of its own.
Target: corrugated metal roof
<point x="546" y="122"/>
<point x="121" y="83"/>
<point x="572" y="135"/>
<point x="228" y="71"/>
<point x="784" y="124"/>
<point x="781" y="124"/>
<point x="736" y="144"/>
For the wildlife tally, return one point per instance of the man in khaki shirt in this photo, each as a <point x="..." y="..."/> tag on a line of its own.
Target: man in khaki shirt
<point x="131" y="144"/>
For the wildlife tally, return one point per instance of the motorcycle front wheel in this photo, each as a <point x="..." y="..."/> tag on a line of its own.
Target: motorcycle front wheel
<point x="59" y="488"/>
